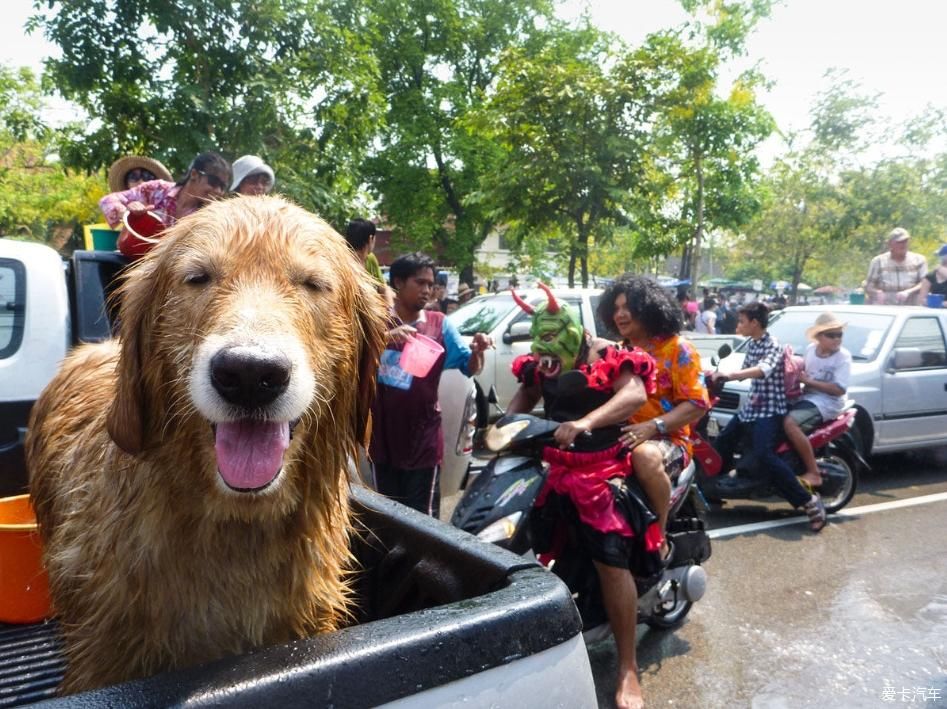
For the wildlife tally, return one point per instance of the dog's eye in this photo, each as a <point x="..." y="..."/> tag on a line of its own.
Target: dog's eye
<point x="197" y="277"/>
<point x="315" y="284"/>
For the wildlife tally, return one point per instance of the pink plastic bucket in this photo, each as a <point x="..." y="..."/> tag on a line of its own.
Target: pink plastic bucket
<point x="419" y="355"/>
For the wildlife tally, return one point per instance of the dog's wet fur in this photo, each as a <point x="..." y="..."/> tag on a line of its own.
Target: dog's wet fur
<point x="156" y="562"/>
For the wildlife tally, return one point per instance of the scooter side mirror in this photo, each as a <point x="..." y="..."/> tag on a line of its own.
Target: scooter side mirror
<point x="724" y="351"/>
<point x="714" y="360"/>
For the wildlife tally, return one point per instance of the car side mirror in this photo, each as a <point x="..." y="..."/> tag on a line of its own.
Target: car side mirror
<point x="905" y="358"/>
<point x="517" y="332"/>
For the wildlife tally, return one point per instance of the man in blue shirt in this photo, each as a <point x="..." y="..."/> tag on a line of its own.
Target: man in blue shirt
<point x="407" y="442"/>
<point x="763" y="412"/>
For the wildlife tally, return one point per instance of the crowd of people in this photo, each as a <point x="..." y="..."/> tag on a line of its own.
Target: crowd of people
<point x="645" y="392"/>
<point x="140" y="184"/>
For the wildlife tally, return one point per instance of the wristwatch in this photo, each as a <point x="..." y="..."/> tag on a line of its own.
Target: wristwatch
<point x="661" y="426"/>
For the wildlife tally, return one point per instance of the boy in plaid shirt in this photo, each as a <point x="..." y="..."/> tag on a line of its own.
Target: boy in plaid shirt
<point x="764" y="411"/>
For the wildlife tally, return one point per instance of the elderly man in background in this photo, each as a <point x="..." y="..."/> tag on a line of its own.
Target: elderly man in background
<point x="893" y="276"/>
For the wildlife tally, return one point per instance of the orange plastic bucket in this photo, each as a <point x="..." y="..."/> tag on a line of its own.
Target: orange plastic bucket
<point x="24" y="586"/>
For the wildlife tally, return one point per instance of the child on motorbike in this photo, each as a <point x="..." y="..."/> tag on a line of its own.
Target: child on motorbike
<point x="764" y="411"/>
<point x="589" y="467"/>
<point x="825" y="376"/>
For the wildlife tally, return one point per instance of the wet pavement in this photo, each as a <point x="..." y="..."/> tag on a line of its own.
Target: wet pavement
<point x="853" y="617"/>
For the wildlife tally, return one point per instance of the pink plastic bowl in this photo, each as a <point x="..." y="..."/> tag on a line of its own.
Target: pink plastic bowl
<point x="419" y="355"/>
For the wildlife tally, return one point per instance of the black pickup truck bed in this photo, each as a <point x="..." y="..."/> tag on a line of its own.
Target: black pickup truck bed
<point x="434" y="606"/>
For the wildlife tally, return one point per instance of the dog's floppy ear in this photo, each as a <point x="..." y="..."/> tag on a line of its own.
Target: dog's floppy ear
<point x="371" y="321"/>
<point x="126" y="417"/>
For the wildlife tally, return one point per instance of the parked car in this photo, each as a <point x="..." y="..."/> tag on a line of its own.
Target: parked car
<point x="708" y="345"/>
<point x="899" y="371"/>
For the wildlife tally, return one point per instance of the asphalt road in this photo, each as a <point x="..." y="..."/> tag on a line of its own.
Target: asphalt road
<point x="853" y="617"/>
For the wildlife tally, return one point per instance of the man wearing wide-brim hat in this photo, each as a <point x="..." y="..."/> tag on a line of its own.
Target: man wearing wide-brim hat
<point x="465" y="293"/>
<point x="825" y="375"/>
<point x="894" y="275"/>
<point x="131" y="170"/>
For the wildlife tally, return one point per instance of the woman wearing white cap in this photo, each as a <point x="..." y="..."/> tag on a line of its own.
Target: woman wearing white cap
<point x="252" y="176"/>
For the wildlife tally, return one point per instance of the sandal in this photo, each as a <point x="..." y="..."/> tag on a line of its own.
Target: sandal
<point x="816" y="511"/>
<point x="810" y="488"/>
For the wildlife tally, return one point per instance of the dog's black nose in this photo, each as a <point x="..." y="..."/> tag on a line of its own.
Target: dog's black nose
<point x="249" y="378"/>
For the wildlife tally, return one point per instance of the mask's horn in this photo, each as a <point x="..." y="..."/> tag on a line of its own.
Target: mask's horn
<point x="527" y="308"/>
<point x="553" y="306"/>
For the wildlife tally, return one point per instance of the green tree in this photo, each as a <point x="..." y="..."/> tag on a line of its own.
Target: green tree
<point x="39" y="199"/>
<point x="572" y="119"/>
<point x="827" y="210"/>
<point x="437" y="60"/>
<point x="292" y="81"/>
<point x="705" y="142"/>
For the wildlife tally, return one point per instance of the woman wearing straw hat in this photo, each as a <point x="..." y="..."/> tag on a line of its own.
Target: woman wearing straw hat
<point x="207" y="178"/>
<point x="131" y="170"/>
<point x="825" y="376"/>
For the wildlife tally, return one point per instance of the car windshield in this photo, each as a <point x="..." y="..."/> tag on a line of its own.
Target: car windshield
<point x="863" y="335"/>
<point x="481" y="314"/>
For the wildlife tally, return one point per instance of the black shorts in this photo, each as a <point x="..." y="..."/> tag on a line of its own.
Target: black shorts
<point x="609" y="548"/>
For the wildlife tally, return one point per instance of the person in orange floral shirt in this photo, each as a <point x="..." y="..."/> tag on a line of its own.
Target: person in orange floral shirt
<point x="646" y="316"/>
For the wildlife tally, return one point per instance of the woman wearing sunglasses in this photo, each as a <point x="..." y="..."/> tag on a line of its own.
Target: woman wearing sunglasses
<point x="131" y="170"/>
<point x="207" y="178"/>
<point x="825" y="377"/>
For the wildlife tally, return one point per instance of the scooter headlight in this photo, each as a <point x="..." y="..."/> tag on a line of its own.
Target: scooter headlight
<point x="499" y="437"/>
<point x="501" y="530"/>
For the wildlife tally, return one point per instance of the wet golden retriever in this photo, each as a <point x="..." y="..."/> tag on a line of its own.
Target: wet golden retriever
<point x="190" y="479"/>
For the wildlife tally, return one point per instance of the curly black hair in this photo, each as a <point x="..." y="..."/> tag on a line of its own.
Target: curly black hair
<point x="649" y="304"/>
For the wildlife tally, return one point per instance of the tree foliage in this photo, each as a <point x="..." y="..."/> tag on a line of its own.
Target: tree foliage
<point x="572" y="119"/>
<point x="827" y="210"/>
<point x="437" y="62"/>
<point x="39" y="199"/>
<point x="291" y="81"/>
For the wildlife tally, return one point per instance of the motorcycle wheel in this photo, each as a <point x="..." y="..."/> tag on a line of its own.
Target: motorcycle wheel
<point x="673" y="618"/>
<point x="847" y="489"/>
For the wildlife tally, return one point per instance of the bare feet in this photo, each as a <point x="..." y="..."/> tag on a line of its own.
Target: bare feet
<point x="628" y="694"/>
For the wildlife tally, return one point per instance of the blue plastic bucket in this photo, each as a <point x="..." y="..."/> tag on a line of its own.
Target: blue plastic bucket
<point x="935" y="300"/>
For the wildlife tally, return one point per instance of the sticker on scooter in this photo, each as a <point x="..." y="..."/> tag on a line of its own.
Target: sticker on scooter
<point x="515" y="490"/>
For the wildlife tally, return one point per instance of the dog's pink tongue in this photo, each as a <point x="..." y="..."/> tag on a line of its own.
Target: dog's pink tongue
<point x="250" y="453"/>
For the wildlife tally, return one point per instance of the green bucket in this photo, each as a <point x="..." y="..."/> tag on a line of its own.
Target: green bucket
<point x="99" y="237"/>
<point x="856" y="298"/>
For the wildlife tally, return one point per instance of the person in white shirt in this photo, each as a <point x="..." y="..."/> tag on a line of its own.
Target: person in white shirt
<point x="707" y="320"/>
<point x="825" y="376"/>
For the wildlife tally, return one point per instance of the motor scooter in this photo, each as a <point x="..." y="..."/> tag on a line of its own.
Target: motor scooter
<point x="838" y="451"/>
<point x="497" y="504"/>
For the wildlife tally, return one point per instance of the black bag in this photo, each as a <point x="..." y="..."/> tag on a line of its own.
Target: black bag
<point x="632" y="502"/>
